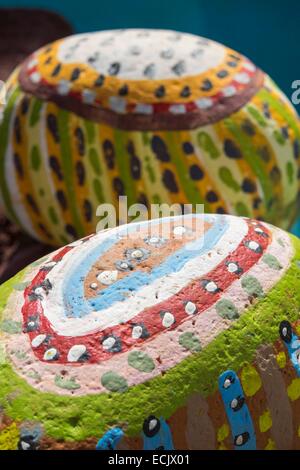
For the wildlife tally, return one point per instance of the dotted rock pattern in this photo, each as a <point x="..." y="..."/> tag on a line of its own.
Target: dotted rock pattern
<point x="158" y="116"/>
<point x="174" y="333"/>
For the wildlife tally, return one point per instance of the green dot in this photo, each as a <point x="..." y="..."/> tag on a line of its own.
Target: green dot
<point x="98" y="190"/>
<point x="11" y="326"/>
<point x="95" y="161"/>
<point x="257" y="116"/>
<point x="53" y="215"/>
<point x="141" y="361"/>
<point x="241" y="209"/>
<point x="279" y="137"/>
<point x="206" y="143"/>
<point x="227" y="309"/>
<point x="252" y="286"/>
<point x="189" y="340"/>
<point x="35" y="158"/>
<point x="290" y="172"/>
<point x="227" y="178"/>
<point x="271" y="261"/>
<point x="114" y="382"/>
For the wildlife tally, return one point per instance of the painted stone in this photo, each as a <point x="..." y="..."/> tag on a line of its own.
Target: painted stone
<point x="196" y="346"/>
<point x="158" y="116"/>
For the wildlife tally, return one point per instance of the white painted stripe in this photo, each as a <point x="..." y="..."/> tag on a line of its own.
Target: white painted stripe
<point x="148" y="296"/>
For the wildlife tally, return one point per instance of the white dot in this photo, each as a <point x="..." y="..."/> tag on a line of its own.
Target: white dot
<point x="284" y="331"/>
<point x="38" y="340"/>
<point x="88" y="96"/>
<point x="94" y="285"/>
<point x="211" y="286"/>
<point x="227" y="383"/>
<point x="229" y="91"/>
<point x="190" y="308"/>
<point x="152" y="424"/>
<point x="39" y="291"/>
<point x="204" y="103"/>
<point x="239" y="440"/>
<point x="154" y="240"/>
<point x="234" y="403"/>
<point x="137" y="332"/>
<point x="35" y="77"/>
<point x="258" y="230"/>
<point x="232" y="267"/>
<point x="179" y="230"/>
<point x="242" y="78"/>
<point x="253" y="245"/>
<point x="76" y="352"/>
<point x="107" y="277"/>
<point x="63" y="87"/>
<point x="168" y="320"/>
<point x="137" y="254"/>
<point x="50" y="354"/>
<point x="108" y="343"/>
<point x="249" y="66"/>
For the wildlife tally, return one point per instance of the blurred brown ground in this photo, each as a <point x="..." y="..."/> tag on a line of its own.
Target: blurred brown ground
<point x="22" y="31"/>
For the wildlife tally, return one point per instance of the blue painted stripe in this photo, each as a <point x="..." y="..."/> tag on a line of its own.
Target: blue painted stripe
<point x="110" y="439"/>
<point x="162" y="439"/>
<point x="240" y="420"/>
<point x="293" y="351"/>
<point x="76" y="305"/>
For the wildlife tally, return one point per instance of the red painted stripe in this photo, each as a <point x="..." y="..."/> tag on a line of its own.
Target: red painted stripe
<point x="151" y="317"/>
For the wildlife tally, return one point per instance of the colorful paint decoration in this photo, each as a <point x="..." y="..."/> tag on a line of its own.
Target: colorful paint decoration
<point x="237" y="412"/>
<point x="126" y="333"/>
<point x="292" y="343"/>
<point x="158" y="116"/>
<point x="110" y="439"/>
<point x="157" y="434"/>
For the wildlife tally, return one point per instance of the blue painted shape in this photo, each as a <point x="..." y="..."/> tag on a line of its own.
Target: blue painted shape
<point x="293" y="348"/>
<point x="76" y="305"/>
<point x="162" y="440"/>
<point x="238" y="416"/>
<point x="110" y="439"/>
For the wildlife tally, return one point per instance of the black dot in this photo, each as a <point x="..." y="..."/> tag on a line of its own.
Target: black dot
<point x="211" y="196"/>
<point x="222" y="73"/>
<point x="119" y="186"/>
<point x="160" y="149"/>
<point x="185" y="92"/>
<point x="87" y="210"/>
<point x="25" y="105"/>
<point x="18" y="165"/>
<point x="256" y="202"/>
<point x="169" y="181"/>
<point x="232" y="63"/>
<point x="75" y="74"/>
<point x="123" y="91"/>
<point x="248" y="186"/>
<point x="71" y="231"/>
<point x="206" y="85"/>
<point x="221" y="210"/>
<point x="248" y="127"/>
<point x="61" y="197"/>
<point x="231" y="149"/>
<point x="100" y="80"/>
<point x="56" y="70"/>
<point x="188" y="148"/>
<point x="196" y="173"/>
<point x="160" y="92"/>
<point x="32" y="203"/>
<point x="114" y="68"/>
<point x="264" y="153"/>
<point x="275" y="174"/>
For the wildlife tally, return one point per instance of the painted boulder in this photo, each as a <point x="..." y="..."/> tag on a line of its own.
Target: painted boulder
<point x="156" y="115"/>
<point x="178" y="333"/>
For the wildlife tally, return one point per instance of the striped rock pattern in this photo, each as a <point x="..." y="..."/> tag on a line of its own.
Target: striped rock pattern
<point x="175" y="333"/>
<point x="158" y="116"/>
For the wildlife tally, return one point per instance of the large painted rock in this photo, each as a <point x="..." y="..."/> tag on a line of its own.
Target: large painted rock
<point x="158" y="116"/>
<point x="178" y="333"/>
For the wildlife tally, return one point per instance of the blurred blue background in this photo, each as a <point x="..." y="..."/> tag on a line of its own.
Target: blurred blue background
<point x="267" y="31"/>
